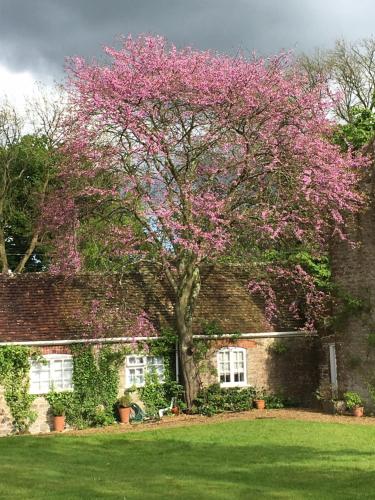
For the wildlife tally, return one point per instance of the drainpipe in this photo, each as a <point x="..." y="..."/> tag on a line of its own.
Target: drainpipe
<point x="177" y="363"/>
<point x="113" y="340"/>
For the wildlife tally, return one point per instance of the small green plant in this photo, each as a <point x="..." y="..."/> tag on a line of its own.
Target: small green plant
<point x="60" y="402"/>
<point x="278" y="347"/>
<point x="273" y="401"/>
<point x="124" y="401"/>
<point x="260" y="393"/>
<point x="352" y="400"/>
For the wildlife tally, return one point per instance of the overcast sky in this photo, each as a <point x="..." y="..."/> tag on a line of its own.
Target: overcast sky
<point x="37" y="35"/>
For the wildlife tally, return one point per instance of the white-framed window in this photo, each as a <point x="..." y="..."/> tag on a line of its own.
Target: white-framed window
<point x="138" y="365"/>
<point x="56" y="373"/>
<point x="231" y="367"/>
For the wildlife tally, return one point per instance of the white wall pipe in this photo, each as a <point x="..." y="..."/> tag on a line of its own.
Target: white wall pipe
<point x="104" y="340"/>
<point x="113" y="340"/>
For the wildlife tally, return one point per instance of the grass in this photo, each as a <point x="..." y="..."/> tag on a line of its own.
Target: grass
<point x="272" y="459"/>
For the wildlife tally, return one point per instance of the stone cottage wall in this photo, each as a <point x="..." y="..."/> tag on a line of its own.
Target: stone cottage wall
<point x="291" y="372"/>
<point x="5" y="416"/>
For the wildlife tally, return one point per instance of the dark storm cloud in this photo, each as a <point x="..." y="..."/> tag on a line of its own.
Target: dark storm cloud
<point x="37" y="35"/>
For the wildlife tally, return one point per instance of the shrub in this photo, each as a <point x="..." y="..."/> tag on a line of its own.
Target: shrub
<point x="124" y="401"/>
<point x="215" y="399"/>
<point x="156" y="394"/>
<point x="352" y="400"/>
<point x="274" y="402"/>
<point x="60" y="402"/>
<point x="153" y="394"/>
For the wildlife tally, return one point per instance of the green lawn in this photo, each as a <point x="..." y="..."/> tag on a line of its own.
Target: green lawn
<point x="237" y="459"/>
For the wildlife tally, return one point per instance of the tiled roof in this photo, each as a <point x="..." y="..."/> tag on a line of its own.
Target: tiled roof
<point x="40" y="306"/>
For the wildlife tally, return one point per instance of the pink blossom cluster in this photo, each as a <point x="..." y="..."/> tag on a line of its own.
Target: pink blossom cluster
<point x="292" y="292"/>
<point x="107" y="316"/>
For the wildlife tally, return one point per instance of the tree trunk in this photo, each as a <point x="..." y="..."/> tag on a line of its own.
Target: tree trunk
<point x="3" y="253"/>
<point x="22" y="263"/>
<point x="187" y="294"/>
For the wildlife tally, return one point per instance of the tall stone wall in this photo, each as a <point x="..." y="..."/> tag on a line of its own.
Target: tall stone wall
<point x="354" y="330"/>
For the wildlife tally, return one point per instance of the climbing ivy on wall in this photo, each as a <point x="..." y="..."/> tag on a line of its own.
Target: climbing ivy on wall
<point x="96" y="385"/>
<point x="14" y="377"/>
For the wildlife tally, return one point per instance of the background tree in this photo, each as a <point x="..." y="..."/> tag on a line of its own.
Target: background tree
<point x="349" y="70"/>
<point x="200" y="154"/>
<point x="28" y="154"/>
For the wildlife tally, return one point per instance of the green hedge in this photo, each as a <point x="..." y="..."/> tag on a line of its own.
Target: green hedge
<point x="214" y="399"/>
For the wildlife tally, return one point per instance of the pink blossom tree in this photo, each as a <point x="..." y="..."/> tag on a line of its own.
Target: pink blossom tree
<point x="201" y="151"/>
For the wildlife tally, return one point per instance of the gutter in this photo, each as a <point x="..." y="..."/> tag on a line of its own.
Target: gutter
<point x="114" y="340"/>
<point x="260" y="335"/>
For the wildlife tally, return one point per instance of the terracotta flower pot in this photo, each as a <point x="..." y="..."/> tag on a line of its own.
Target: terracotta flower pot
<point x="358" y="411"/>
<point x="260" y="404"/>
<point x="124" y="414"/>
<point x="58" y="423"/>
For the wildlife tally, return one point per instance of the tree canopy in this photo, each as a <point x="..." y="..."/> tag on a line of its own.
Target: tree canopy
<point x="188" y="155"/>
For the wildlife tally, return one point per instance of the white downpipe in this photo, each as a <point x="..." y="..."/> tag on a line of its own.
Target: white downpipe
<point x="104" y="340"/>
<point x="177" y="363"/>
<point x="114" y="340"/>
<point x="260" y="335"/>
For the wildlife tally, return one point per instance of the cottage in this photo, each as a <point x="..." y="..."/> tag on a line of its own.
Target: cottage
<point x="41" y="310"/>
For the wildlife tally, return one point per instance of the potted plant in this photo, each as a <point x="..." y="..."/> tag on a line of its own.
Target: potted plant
<point x="124" y="408"/>
<point x="58" y="402"/>
<point x="328" y="400"/>
<point x="58" y="412"/>
<point x="259" y="400"/>
<point x="354" y="403"/>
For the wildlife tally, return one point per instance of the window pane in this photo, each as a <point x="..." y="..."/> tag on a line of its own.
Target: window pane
<point x="131" y="376"/>
<point x="137" y="366"/>
<point x="239" y="377"/>
<point x="56" y="372"/>
<point x="44" y="387"/>
<point x="231" y="366"/>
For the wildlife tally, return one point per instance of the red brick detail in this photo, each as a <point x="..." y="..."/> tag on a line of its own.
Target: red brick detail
<point x="55" y="349"/>
<point x="245" y="343"/>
